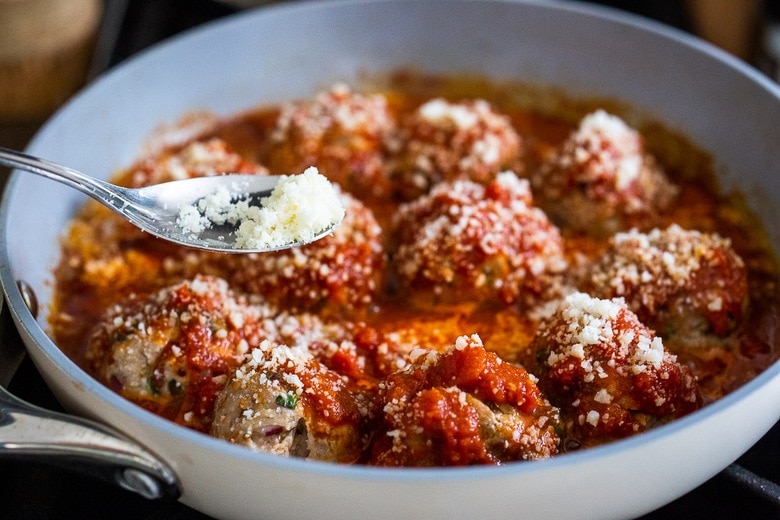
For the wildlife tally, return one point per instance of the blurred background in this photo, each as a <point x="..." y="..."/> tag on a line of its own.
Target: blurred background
<point x="50" y="49"/>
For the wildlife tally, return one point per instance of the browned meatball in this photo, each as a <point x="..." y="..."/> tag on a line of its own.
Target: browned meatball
<point x="339" y="274"/>
<point x="460" y="407"/>
<point x="469" y="242"/>
<point x="608" y="372"/>
<point x="343" y="133"/>
<point x="198" y="159"/>
<point x="283" y="401"/>
<point x="444" y="141"/>
<point x="105" y="250"/>
<point x="172" y="352"/>
<point x="601" y="180"/>
<point x="675" y="280"/>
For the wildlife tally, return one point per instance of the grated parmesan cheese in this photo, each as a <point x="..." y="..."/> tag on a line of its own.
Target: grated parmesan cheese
<point x="600" y="126"/>
<point x="439" y="110"/>
<point x="298" y="209"/>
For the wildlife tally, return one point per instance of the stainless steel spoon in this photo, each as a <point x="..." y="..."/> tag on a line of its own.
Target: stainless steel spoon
<point x="155" y="209"/>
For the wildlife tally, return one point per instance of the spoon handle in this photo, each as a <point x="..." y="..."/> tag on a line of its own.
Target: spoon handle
<point x="91" y="186"/>
<point x="117" y="198"/>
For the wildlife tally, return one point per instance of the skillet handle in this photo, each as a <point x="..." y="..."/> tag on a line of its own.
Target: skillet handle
<point x="30" y="432"/>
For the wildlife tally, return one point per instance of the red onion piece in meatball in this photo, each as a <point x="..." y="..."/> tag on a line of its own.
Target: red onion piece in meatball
<point x="172" y="351"/>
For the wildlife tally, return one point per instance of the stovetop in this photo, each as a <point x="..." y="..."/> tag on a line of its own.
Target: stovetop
<point x="37" y="491"/>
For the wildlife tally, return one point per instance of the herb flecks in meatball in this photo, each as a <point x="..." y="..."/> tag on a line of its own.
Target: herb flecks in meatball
<point x="673" y="279"/>
<point x="601" y="179"/>
<point x="283" y="401"/>
<point x="341" y="132"/>
<point x="460" y="407"/>
<point x="446" y="141"/>
<point x="172" y="351"/>
<point x="609" y="373"/>
<point x="469" y="242"/>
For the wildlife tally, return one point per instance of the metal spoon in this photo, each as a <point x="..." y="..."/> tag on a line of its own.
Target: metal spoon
<point x="155" y="208"/>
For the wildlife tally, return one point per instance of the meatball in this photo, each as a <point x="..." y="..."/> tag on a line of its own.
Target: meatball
<point x="197" y="159"/>
<point x="343" y="133"/>
<point x="283" y="401"/>
<point x="460" y="407"/>
<point x="675" y="280"/>
<point x="357" y="351"/>
<point x="608" y="372"/>
<point x="172" y="351"/>
<point x="601" y="180"/>
<point x="443" y="141"/>
<point x="336" y="275"/>
<point x="468" y="242"/>
<point x="107" y="252"/>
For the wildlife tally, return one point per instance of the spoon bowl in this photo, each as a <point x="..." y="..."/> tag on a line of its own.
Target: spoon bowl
<point x="156" y="209"/>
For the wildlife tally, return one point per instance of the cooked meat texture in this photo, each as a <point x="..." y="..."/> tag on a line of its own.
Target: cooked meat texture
<point x="283" y="401"/>
<point x="338" y="274"/>
<point x="172" y="351"/>
<point x="607" y="372"/>
<point x="447" y="141"/>
<point x="198" y="159"/>
<point x="343" y="133"/>
<point x="461" y="407"/>
<point x="675" y="280"/>
<point x="469" y="242"/>
<point x="601" y="179"/>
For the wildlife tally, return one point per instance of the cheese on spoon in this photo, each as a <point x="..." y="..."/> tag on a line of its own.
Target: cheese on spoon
<point x="298" y="209"/>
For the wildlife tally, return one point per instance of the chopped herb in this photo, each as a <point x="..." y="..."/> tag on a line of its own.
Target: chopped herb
<point x="153" y="388"/>
<point x="288" y="400"/>
<point x="542" y="355"/>
<point x="174" y="387"/>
